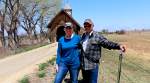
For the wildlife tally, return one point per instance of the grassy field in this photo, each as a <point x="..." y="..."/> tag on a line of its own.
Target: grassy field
<point x="135" y="67"/>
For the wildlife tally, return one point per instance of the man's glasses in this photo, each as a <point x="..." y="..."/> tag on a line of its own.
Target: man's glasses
<point x="87" y="25"/>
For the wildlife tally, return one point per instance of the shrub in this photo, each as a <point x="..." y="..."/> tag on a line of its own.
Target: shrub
<point x="42" y="66"/>
<point x="41" y="74"/>
<point x="120" y="32"/>
<point x="105" y="31"/>
<point x="25" y="79"/>
<point x="51" y="61"/>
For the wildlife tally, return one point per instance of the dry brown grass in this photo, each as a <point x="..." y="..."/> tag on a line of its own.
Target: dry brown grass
<point x="135" y="67"/>
<point x="50" y="73"/>
<point x="138" y="43"/>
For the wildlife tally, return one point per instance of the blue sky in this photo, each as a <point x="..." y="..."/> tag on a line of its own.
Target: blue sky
<point x="113" y="14"/>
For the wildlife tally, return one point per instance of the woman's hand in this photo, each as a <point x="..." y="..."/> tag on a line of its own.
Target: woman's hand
<point x="56" y="67"/>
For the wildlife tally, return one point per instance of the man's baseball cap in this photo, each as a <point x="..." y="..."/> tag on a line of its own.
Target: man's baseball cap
<point x="89" y="21"/>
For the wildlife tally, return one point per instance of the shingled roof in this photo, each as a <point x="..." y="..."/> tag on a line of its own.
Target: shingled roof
<point x="63" y="15"/>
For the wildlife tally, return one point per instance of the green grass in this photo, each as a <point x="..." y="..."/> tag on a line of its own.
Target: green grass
<point x="41" y="73"/>
<point x="25" y="79"/>
<point x="27" y="48"/>
<point x="42" y="66"/>
<point x="52" y="61"/>
<point x="22" y="49"/>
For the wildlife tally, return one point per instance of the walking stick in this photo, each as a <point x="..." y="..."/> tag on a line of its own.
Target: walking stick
<point x="119" y="66"/>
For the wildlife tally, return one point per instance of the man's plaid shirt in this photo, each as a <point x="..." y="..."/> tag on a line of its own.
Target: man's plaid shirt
<point x="90" y="57"/>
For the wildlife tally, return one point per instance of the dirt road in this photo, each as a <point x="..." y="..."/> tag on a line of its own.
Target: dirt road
<point x="14" y="67"/>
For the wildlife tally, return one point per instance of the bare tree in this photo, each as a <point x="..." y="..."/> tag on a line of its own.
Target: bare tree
<point x="48" y="10"/>
<point x="29" y="19"/>
<point x="2" y="20"/>
<point x="37" y="16"/>
<point x="11" y="22"/>
<point x="31" y="15"/>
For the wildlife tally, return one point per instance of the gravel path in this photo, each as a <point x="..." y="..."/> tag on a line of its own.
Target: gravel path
<point x="14" y="67"/>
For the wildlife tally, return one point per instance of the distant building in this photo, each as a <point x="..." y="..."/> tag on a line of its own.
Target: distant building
<point x="55" y="29"/>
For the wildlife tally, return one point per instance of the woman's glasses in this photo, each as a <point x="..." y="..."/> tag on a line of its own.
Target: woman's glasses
<point x="68" y="27"/>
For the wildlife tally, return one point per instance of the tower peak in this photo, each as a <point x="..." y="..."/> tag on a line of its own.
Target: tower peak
<point x="68" y="8"/>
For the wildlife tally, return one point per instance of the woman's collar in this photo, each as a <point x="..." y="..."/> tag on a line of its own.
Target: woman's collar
<point x="70" y="37"/>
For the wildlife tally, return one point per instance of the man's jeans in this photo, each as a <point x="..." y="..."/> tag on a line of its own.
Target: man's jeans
<point x="62" y="71"/>
<point x="90" y="76"/>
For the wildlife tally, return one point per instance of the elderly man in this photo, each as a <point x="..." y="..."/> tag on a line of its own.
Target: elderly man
<point x="92" y="42"/>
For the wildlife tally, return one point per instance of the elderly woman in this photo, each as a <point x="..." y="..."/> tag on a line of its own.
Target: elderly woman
<point x="68" y="55"/>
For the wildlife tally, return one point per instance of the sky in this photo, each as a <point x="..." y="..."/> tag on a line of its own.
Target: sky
<point x="112" y="14"/>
